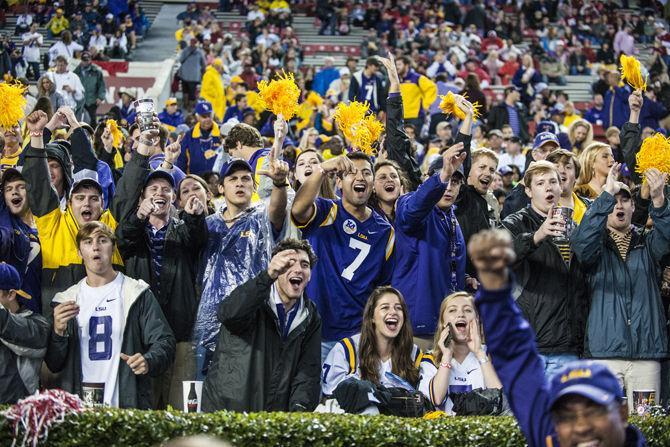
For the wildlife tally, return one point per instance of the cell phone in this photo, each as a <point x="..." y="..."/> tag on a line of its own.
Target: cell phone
<point x="450" y="336"/>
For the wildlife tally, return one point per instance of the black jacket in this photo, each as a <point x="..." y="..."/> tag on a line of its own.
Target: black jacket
<point x="253" y="368"/>
<point x="397" y="143"/>
<point x="551" y="294"/>
<point x="177" y="296"/>
<point x="498" y="117"/>
<point x="23" y="341"/>
<point x="145" y="331"/>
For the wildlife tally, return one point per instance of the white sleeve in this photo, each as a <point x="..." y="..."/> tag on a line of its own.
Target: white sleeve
<point x="335" y="370"/>
<point x="79" y="89"/>
<point x="427" y="371"/>
<point x="432" y="70"/>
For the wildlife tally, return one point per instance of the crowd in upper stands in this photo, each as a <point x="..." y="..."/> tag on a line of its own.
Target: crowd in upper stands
<point x="285" y="269"/>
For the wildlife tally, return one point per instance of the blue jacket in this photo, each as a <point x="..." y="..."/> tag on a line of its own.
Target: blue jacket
<point x="511" y="343"/>
<point x="615" y="109"/>
<point x="626" y="319"/>
<point x="199" y="152"/>
<point x="652" y="112"/>
<point x="593" y="115"/>
<point x="424" y="262"/>
<point x="171" y="121"/>
<point x="20" y="247"/>
<point x="235" y="112"/>
<point x="323" y="78"/>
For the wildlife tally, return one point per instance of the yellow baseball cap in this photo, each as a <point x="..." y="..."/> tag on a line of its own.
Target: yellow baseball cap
<point x="236" y="80"/>
<point x="170" y="101"/>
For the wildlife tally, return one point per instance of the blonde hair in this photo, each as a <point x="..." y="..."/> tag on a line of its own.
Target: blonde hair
<point x="437" y="352"/>
<point x="483" y="152"/>
<point x="539" y="167"/>
<point x="87" y="231"/>
<point x="587" y="159"/>
<point x="589" y="135"/>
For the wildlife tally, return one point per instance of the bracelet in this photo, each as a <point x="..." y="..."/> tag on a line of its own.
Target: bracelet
<point x="36" y="133"/>
<point x="445" y="365"/>
<point x="281" y="185"/>
<point x="483" y="360"/>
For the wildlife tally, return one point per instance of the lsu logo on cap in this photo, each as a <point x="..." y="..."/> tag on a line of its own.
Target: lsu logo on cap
<point x="349" y="226"/>
<point x="576" y="374"/>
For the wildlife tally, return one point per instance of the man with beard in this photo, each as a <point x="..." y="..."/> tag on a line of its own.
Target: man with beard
<point x="551" y="289"/>
<point x="354" y="242"/>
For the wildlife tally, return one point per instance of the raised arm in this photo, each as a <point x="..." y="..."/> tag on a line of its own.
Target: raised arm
<point x="42" y="195"/>
<point x="510" y="340"/>
<point x="397" y="144"/>
<point x="277" y="172"/>
<point x="659" y="238"/>
<point x="630" y="134"/>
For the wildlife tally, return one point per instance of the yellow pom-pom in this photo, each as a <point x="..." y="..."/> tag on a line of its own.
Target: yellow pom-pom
<point x="631" y="72"/>
<point x="280" y="95"/>
<point x="434" y="414"/>
<point x="654" y="153"/>
<point x="117" y="135"/>
<point x="314" y="99"/>
<point x="349" y="115"/>
<point x="366" y="133"/>
<point x="449" y="107"/>
<point x="255" y="101"/>
<point x="12" y="102"/>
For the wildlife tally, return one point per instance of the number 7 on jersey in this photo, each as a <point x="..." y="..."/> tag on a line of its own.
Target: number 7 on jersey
<point x="348" y="273"/>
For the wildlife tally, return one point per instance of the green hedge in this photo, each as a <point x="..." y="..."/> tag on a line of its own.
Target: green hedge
<point x="106" y="428"/>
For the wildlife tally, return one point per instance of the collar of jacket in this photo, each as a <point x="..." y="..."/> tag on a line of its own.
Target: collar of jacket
<point x="131" y="290"/>
<point x="197" y="133"/>
<point x="302" y="309"/>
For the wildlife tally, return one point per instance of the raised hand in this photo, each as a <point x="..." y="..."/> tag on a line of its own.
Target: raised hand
<point x="194" y="206"/>
<point x="474" y="337"/>
<point x="452" y="159"/>
<point x="341" y="165"/>
<point x="553" y="226"/>
<point x="391" y="70"/>
<point x="656" y="181"/>
<point x="146" y="208"/>
<point x="447" y="351"/>
<point x="281" y="262"/>
<point x="277" y="170"/>
<point x="63" y="313"/>
<point x="107" y="140"/>
<point x="492" y="254"/>
<point x="69" y="115"/>
<point x="36" y="121"/>
<point x="635" y="100"/>
<point x="173" y="150"/>
<point x="612" y="185"/>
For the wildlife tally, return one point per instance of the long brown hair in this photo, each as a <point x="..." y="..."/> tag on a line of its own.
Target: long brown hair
<point x="401" y="346"/>
<point x="327" y="191"/>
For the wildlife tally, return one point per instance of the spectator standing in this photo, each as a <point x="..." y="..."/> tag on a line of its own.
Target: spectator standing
<point x="624" y="42"/>
<point x="513" y="155"/>
<point x="547" y="410"/>
<point x="511" y="112"/>
<point x="108" y="329"/>
<point x="622" y="262"/>
<point x="24" y="335"/>
<point x="526" y="77"/>
<point x="163" y="249"/>
<point x="202" y="142"/>
<point x="32" y="41"/>
<point x="327" y="74"/>
<point x="616" y="102"/>
<point x="551" y="292"/>
<point x="354" y="242"/>
<point x="193" y="64"/>
<point x="368" y="85"/>
<point x="596" y="161"/>
<point x="68" y="83"/>
<point x="596" y="114"/>
<point x="94" y="86"/>
<point x="268" y="354"/>
<point x="417" y="91"/>
<point x="23" y="23"/>
<point x="171" y="116"/>
<point x="57" y="24"/>
<point x="212" y="88"/>
<point x="240" y="108"/>
<point x="65" y="47"/>
<point x="240" y="240"/>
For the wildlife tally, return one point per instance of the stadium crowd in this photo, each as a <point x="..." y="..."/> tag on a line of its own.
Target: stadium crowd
<point x="263" y="257"/>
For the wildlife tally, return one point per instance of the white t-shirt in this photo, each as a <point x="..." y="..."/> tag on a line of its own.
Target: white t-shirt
<point x="101" y="321"/>
<point x="507" y="159"/>
<point x="337" y="368"/>
<point x="463" y="377"/>
<point x="32" y="52"/>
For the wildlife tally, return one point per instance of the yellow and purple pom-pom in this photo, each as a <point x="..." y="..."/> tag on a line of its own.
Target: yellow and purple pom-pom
<point x="280" y="95"/>
<point x="449" y="106"/>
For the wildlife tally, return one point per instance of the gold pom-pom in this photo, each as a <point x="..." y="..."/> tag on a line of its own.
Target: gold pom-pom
<point x="449" y="107"/>
<point x="280" y="95"/>
<point x="12" y="103"/>
<point x="255" y="101"/>
<point x="117" y="135"/>
<point x="314" y="99"/>
<point x="654" y="153"/>
<point x="366" y="133"/>
<point x="349" y="115"/>
<point x="631" y="72"/>
<point x="434" y="414"/>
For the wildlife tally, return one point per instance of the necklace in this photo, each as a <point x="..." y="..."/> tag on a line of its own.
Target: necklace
<point x="234" y="218"/>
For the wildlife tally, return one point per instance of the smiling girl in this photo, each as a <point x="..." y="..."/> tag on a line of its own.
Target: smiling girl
<point x="382" y="349"/>
<point x="462" y="365"/>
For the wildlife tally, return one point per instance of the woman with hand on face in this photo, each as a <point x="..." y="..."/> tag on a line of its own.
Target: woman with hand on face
<point x="460" y="361"/>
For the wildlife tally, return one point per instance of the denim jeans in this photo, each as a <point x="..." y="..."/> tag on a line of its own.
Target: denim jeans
<point x="555" y="362"/>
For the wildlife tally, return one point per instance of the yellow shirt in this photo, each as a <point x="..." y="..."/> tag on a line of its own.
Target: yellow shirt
<point x="10" y="161"/>
<point x="57" y="25"/>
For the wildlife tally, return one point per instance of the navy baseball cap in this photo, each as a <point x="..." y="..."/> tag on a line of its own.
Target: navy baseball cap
<point x="235" y="165"/>
<point x="589" y="379"/>
<point x="159" y="174"/>
<point x="11" y="280"/>
<point x="543" y="138"/>
<point x="547" y="126"/>
<point x="505" y="170"/>
<point x="203" y="108"/>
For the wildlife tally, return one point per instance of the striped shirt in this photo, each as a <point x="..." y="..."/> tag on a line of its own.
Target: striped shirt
<point x="564" y="249"/>
<point x="622" y="242"/>
<point x="514" y="120"/>
<point x="156" y="246"/>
